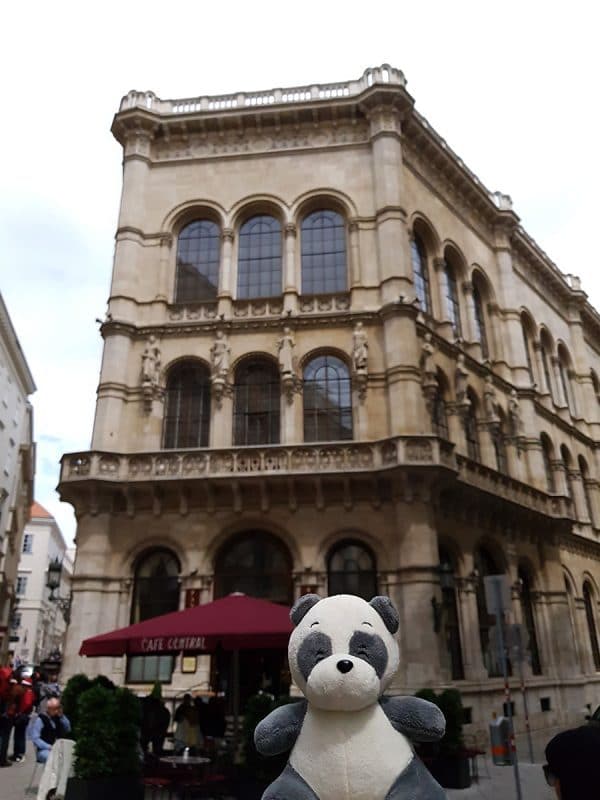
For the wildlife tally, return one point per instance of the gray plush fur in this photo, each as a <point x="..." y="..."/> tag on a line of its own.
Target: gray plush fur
<point x="279" y="730"/>
<point x="290" y="786"/>
<point x="302" y="606"/>
<point x="371" y="648"/>
<point x="313" y="649"/>
<point x="414" y="783"/>
<point x="417" y="719"/>
<point x="387" y="611"/>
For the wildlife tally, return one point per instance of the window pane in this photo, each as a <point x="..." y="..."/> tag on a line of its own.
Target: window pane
<point x="198" y="255"/>
<point x="420" y="275"/>
<point x="259" y="258"/>
<point x="352" y="570"/>
<point x="257" y="564"/>
<point x="480" y="331"/>
<point x="256" y="403"/>
<point x="451" y="294"/>
<point x="327" y="400"/>
<point x="323" y="253"/>
<point x="187" y="413"/>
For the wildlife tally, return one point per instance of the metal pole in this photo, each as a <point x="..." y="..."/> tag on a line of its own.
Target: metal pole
<point x="519" y="650"/>
<point x="502" y="653"/>
<point x="236" y="700"/>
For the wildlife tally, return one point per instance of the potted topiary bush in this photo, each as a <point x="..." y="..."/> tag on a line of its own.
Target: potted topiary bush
<point x="107" y="752"/>
<point x="447" y="760"/>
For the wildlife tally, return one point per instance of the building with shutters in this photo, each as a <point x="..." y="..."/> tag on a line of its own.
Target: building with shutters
<point x="334" y="361"/>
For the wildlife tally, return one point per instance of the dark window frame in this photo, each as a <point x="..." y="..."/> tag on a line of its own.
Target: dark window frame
<point x="259" y="258"/>
<point x="256" y="403"/>
<point x="588" y="602"/>
<point x="323" y="253"/>
<point x="420" y="274"/>
<point x="480" y="322"/>
<point x="327" y="408"/>
<point x="529" y="620"/>
<point x="451" y="298"/>
<point x="198" y="262"/>
<point x="186" y="422"/>
<point x="361" y="582"/>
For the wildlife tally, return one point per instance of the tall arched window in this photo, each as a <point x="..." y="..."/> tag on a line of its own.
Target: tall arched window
<point x="187" y="409"/>
<point x="327" y="400"/>
<point x="595" y="384"/>
<point x="420" y="274"/>
<point x="450" y="291"/>
<point x="585" y="478"/>
<point x="485" y="565"/>
<point x="563" y="371"/>
<point x="259" y="258"/>
<point x="547" y="455"/>
<point x="566" y="459"/>
<point x="256" y="402"/>
<point x="529" y="619"/>
<point x="480" y="328"/>
<point x="439" y="419"/>
<point x="570" y="593"/>
<point x="255" y="563"/>
<point x="471" y="432"/>
<point x="545" y="350"/>
<point x="589" y="603"/>
<point x="323" y="251"/>
<point x="198" y="248"/>
<point x="527" y="345"/>
<point x="499" y="442"/>
<point x="351" y="569"/>
<point x="451" y="627"/>
<point x="155" y="592"/>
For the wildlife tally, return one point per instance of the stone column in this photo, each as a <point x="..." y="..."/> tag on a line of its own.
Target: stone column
<point x="221" y="419"/>
<point x="354" y="266"/>
<point x="561" y="400"/>
<point x="112" y="392"/>
<point x="468" y="318"/>
<point x="539" y="362"/>
<point x="292" y="276"/>
<point x="166" y="280"/>
<point x="486" y="444"/>
<point x="225" y="283"/>
<point x="580" y="506"/>
<point x="401" y="350"/>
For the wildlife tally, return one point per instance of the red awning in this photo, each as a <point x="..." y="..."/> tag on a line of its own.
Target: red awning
<point x="236" y="622"/>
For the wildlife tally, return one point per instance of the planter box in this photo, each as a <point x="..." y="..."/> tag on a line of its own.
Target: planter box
<point x="451" y="772"/>
<point x="104" y="789"/>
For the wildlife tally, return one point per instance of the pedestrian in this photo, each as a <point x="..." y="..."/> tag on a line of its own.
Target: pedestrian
<point x="26" y="701"/>
<point x="187" y="727"/>
<point x="573" y="768"/>
<point x="48" y="727"/>
<point x="155" y="721"/>
<point x="10" y="704"/>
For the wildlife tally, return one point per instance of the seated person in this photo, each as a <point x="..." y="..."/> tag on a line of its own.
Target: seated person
<point x="48" y="727"/>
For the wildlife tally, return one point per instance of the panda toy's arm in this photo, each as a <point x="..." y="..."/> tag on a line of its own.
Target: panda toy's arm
<point x="279" y="730"/>
<point x="417" y="719"/>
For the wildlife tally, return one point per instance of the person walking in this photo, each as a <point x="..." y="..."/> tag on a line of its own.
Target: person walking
<point x="26" y="701"/>
<point x="187" y="727"/>
<point x="573" y="768"/>
<point x="155" y="721"/>
<point x="49" y="726"/>
<point x="10" y="704"/>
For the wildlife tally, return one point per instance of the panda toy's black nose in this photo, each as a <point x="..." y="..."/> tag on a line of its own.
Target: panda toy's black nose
<point x="344" y="665"/>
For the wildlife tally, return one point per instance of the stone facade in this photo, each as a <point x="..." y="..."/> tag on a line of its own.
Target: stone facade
<point x="454" y="361"/>
<point x="17" y="466"/>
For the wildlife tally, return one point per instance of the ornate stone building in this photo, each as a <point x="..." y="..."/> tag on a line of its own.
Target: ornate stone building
<point x="334" y="361"/>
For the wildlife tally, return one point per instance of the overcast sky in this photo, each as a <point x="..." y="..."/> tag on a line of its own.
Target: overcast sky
<point x="512" y="87"/>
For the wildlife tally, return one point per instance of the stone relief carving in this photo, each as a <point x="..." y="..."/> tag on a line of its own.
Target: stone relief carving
<point x="461" y="382"/>
<point x="285" y="348"/>
<point x="429" y="381"/>
<point x="150" y="373"/>
<point x="491" y="405"/>
<point x="514" y="414"/>
<point x="360" y="359"/>
<point x="220" y="355"/>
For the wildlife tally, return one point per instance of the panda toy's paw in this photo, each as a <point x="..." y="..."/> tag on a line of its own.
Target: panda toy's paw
<point x="289" y="786"/>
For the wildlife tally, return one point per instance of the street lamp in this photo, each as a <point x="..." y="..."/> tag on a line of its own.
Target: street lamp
<point x="53" y="582"/>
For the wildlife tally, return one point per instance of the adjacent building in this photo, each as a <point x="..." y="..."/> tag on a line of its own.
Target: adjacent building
<point x="334" y="361"/>
<point x="17" y="465"/>
<point x="39" y="620"/>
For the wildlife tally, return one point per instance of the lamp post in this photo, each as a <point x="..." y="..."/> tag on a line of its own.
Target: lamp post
<point x="53" y="582"/>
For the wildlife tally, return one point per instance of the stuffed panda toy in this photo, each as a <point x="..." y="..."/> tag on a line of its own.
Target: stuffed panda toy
<point x="348" y="741"/>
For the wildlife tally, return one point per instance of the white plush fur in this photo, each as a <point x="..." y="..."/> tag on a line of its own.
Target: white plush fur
<point x="347" y="748"/>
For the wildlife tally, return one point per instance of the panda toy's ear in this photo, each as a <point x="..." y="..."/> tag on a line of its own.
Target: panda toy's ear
<point x="302" y="606"/>
<point x="386" y="610"/>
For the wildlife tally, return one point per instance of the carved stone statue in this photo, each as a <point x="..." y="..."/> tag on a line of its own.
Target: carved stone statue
<point x="490" y="401"/>
<point x="151" y="362"/>
<point x="219" y="356"/>
<point x="461" y="377"/>
<point x="360" y="348"/>
<point x="285" y="346"/>
<point x="514" y="414"/>
<point x="427" y="366"/>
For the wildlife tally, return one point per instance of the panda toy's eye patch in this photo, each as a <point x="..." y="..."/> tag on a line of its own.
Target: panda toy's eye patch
<point x="316" y="647"/>
<point x="371" y="648"/>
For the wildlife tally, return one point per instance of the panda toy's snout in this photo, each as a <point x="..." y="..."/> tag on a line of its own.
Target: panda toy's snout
<point x="344" y="665"/>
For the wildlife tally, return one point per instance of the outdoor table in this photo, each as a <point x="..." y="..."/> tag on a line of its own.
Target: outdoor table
<point x="181" y="761"/>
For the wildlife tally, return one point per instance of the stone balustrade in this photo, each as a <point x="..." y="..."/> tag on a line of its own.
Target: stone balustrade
<point x="247" y="100"/>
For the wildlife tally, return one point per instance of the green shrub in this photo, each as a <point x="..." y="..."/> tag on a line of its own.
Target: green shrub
<point x="257" y="708"/>
<point x="450" y="704"/>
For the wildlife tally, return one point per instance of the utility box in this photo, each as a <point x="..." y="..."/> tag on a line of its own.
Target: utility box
<point x="500" y="741"/>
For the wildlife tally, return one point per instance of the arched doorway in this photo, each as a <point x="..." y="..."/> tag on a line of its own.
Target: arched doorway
<point x="258" y="564"/>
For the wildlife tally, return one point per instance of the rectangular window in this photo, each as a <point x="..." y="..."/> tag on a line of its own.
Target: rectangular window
<point x="21" y="587"/>
<point x="147" y="669"/>
<point x="15" y="622"/>
<point x="28" y="543"/>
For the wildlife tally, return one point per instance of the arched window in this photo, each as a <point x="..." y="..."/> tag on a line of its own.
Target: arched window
<point x="451" y="627"/>
<point x="595" y="384"/>
<point x="155" y="592"/>
<point x="585" y="477"/>
<point x="545" y="353"/>
<point x="351" y="570"/>
<point x="255" y="563"/>
<point x="323" y="251"/>
<point x="527" y="346"/>
<point x="420" y="274"/>
<point x="439" y="419"/>
<point x="486" y="565"/>
<point x="327" y="400"/>
<point x="450" y="291"/>
<point x="187" y="409"/>
<point x="198" y="248"/>
<point x="547" y="455"/>
<point x="499" y="442"/>
<point x="563" y="371"/>
<point x="529" y="619"/>
<point x="480" y="328"/>
<point x="566" y="459"/>
<point x="589" y="602"/>
<point x="259" y="258"/>
<point x="256" y="403"/>
<point x="572" y="627"/>
<point x="471" y="432"/>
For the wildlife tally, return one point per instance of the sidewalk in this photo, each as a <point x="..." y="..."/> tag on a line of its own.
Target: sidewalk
<point x="498" y="783"/>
